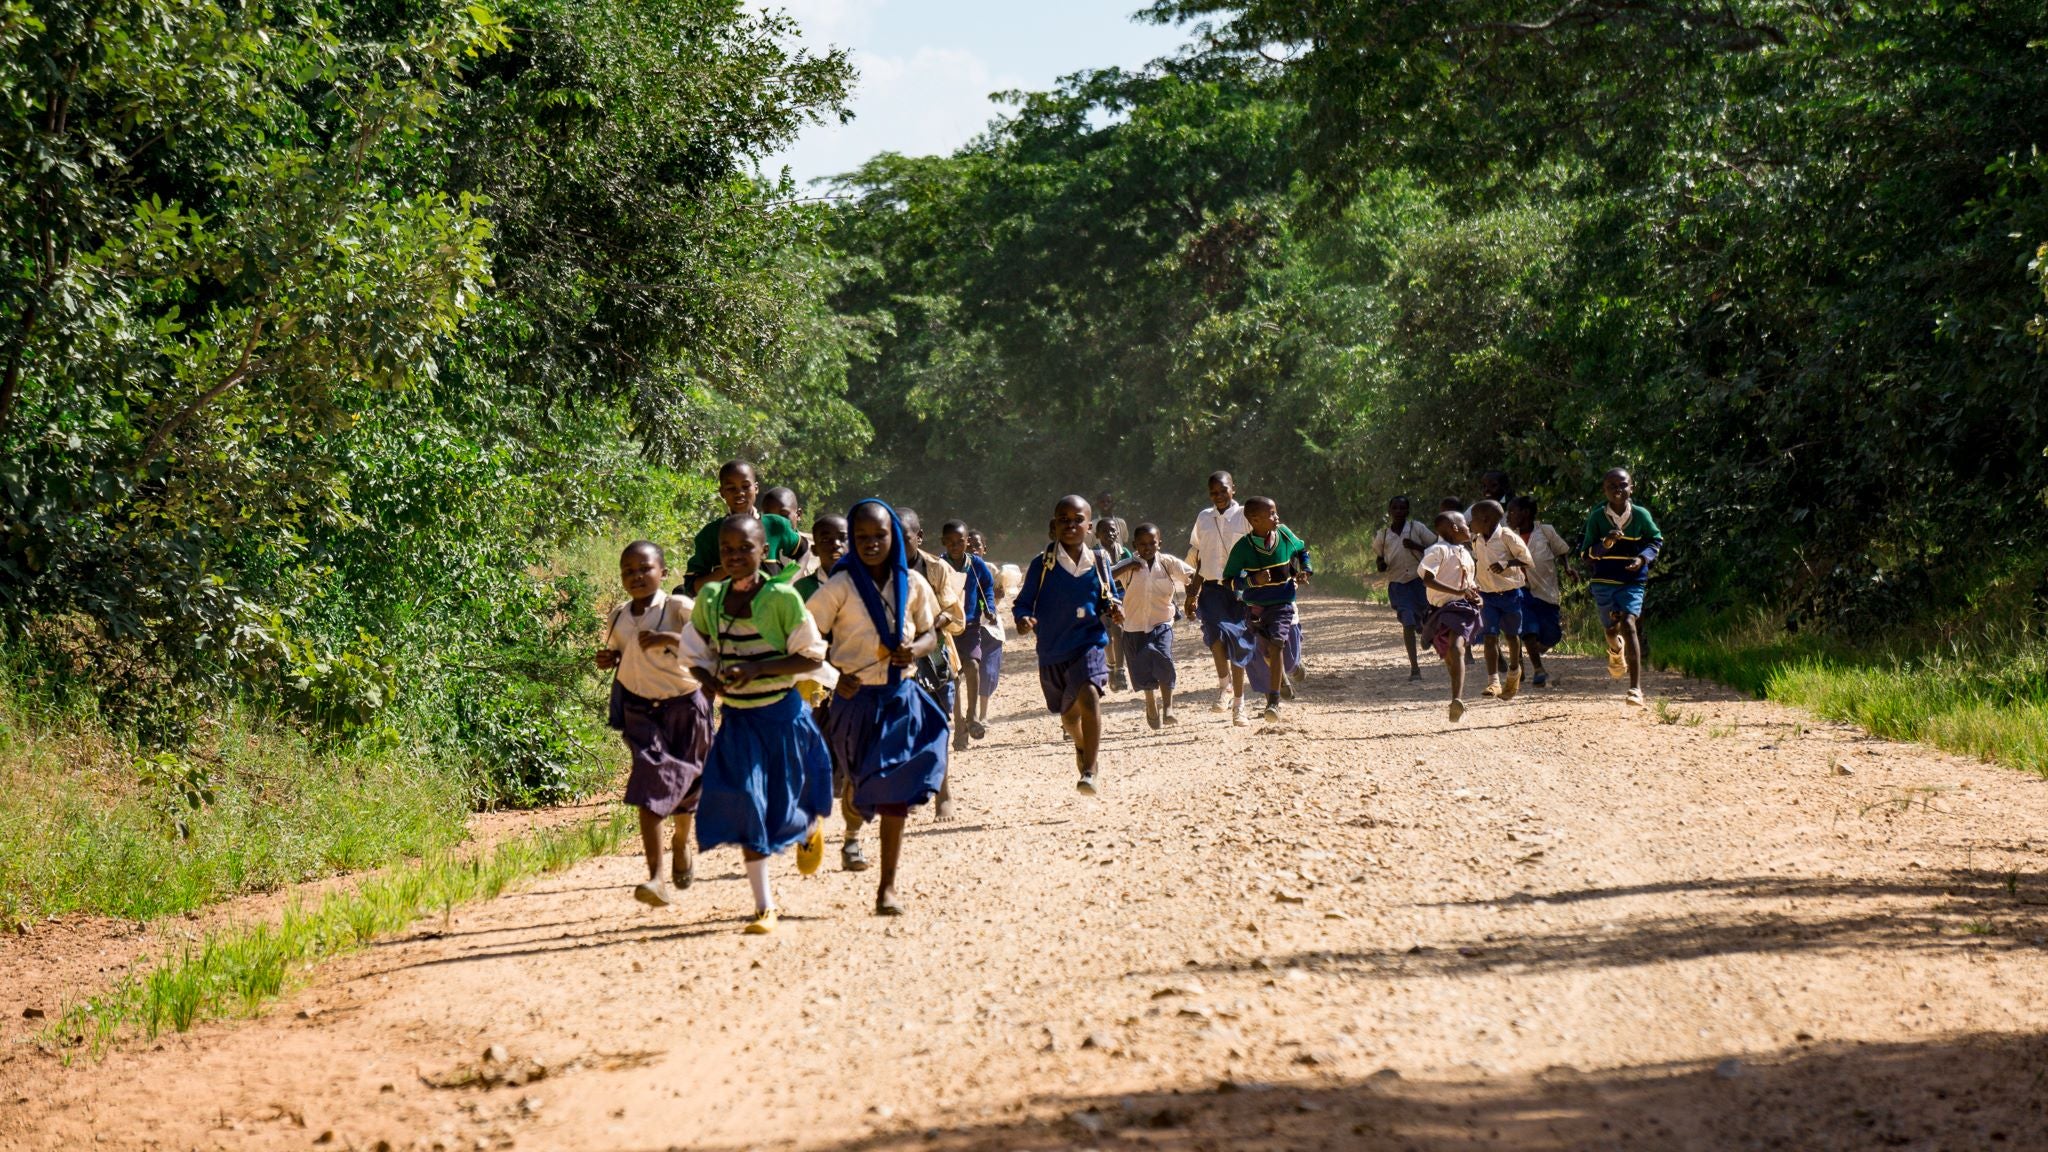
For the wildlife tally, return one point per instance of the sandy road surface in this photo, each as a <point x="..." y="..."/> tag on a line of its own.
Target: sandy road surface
<point x="1559" y="925"/>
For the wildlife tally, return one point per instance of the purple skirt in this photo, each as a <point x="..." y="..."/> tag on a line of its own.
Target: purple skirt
<point x="669" y="740"/>
<point x="1458" y="620"/>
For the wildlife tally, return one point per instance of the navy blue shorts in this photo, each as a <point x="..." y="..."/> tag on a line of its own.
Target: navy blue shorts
<point x="1410" y="601"/>
<point x="1618" y="600"/>
<point x="1275" y="622"/>
<point x="1148" y="656"/>
<point x="1216" y="606"/>
<point x="1542" y="621"/>
<point x="1063" y="681"/>
<point x="1501" y="612"/>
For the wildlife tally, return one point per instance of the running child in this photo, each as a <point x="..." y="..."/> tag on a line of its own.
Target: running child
<point x="781" y="501"/>
<point x="1542" y="613"/>
<point x="1620" y="542"/>
<point x="768" y="778"/>
<point x="1266" y="567"/>
<point x="1453" y="625"/>
<point x="978" y="612"/>
<point x="1150" y="578"/>
<point x="1217" y="530"/>
<point x="885" y="728"/>
<point x="1111" y="535"/>
<point x="1068" y="602"/>
<point x="828" y="544"/>
<point x="740" y="489"/>
<point x="1503" y="563"/>
<point x="940" y="671"/>
<point x="1397" y="549"/>
<point x="1009" y="578"/>
<point x="660" y="710"/>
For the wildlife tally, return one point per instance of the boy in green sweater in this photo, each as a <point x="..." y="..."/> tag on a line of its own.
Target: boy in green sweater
<point x="1620" y="542"/>
<point x="1265" y="567"/>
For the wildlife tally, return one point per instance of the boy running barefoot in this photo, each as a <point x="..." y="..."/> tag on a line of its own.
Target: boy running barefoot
<point x="1069" y="601"/>
<point x="1448" y="573"/>
<point x="1620" y="542"/>
<point x="1503" y="561"/>
<point x="1266" y="567"/>
<point x="1397" y="549"/>
<point x="660" y="710"/>
<point x="1150" y="580"/>
<point x="1542" y="613"/>
<point x="1217" y="530"/>
<point x="740" y="488"/>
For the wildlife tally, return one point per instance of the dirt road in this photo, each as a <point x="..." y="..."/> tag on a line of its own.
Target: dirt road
<point x="1558" y="925"/>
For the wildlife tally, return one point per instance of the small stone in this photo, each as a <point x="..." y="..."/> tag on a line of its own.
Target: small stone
<point x="1729" y="1069"/>
<point x="1284" y="896"/>
<point x="1100" y="1040"/>
<point x="529" y="1104"/>
<point x="496" y="1054"/>
<point x="1842" y="769"/>
<point x="1184" y="988"/>
<point x="1803" y="1037"/>
<point x="1336" y="914"/>
<point x="882" y="1111"/>
<point x="31" y="1013"/>
<point x="1315" y="1059"/>
<point x="1385" y="1074"/>
<point x="326" y="1137"/>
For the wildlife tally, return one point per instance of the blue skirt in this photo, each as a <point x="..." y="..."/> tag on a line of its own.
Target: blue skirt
<point x="768" y="776"/>
<point x="892" y="740"/>
<point x="991" y="670"/>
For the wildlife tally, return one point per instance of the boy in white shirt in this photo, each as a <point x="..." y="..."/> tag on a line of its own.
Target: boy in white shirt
<point x="1150" y="580"/>
<point x="1503" y="561"/>
<point x="1448" y="576"/>
<point x="1397" y="549"/>
<point x="1217" y="530"/>
<point x="1542" y="614"/>
<point x="660" y="709"/>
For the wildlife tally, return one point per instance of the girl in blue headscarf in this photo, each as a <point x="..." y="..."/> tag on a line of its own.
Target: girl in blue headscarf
<point x="885" y="729"/>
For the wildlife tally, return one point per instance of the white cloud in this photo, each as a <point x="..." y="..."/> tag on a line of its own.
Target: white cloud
<point x="830" y="22"/>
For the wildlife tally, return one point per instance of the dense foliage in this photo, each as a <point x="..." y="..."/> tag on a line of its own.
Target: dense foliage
<point x="325" y="324"/>
<point x="1780" y="258"/>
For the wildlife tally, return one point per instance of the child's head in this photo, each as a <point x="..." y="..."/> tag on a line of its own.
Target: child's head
<point x="1105" y="531"/>
<point x="1222" y="489"/>
<point x="1071" y="519"/>
<point x="1495" y="485"/>
<point x="1450" y="525"/>
<point x="780" y="501"/>
<point x="1262" y="513"/>
<point x="976" y="542"/>
<point x="742" y="547"/>
<point x="1451" y="504"/>
<point x="874" y="538"/>
<point x="1486" y="516"/>
<point x="1397" y="509"/>
<point x="828" y="536"/>
<point x="1618" y="486"/>
<point x="738" y="486"/>
<point x="913" y="528"/>
<point x="1522" y="515"/>
<point x="641" y="569"/>
<point x="1145" y="541"/>
<point x="953" y="538"/>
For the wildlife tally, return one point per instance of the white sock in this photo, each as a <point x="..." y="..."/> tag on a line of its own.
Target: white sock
<point x="757" y="879"/>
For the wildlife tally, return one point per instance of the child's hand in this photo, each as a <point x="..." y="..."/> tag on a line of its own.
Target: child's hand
<point x="1302" y="577"/>
<point x="1116" y="615"/>
<point x="660" y="640"/>
<point x="1636" y="565"/>
<point x="1382" y="565"/>
<point x="1472" y="596"/>
<point x="738" y="676"/>
<point x="1027" y="624"/>
<point x="1497" y="566"/>
<point x="1413" y="546"/>
<point x="607" y="659"/>
<point x="849" y="687"/>
<point x="902" y="657"/>
<point x="1611" y="539"/>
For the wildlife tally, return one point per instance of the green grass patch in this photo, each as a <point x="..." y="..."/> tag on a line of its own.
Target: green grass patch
<point x="235" y="972"/>
<point x="1975" y="697"/>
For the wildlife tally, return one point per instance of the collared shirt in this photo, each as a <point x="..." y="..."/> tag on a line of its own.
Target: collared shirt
<point x="1450" y="564"/>
<point x="1505" y="544"/>
<point x="658" y="673"/>
<point x="1546" y="548"/>
<point x="1080" y="567"/>
<point x="1214" y="535"/>
<point x="1149" y="589"/>
<point x="856" y="645"/>
<point x="1401" y="560"/>
<point x="948" y="584"/>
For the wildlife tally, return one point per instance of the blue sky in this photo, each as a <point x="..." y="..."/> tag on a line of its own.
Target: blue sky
<point x="927" y="66"/>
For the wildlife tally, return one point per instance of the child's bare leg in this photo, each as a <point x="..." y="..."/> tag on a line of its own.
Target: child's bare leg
<point x="892" y="853"/>
<point x="1454" y="663"/>
<point x="1493" y="667"/>
<point x="1165" y="701"/>
<point x="1222" y="659"/>
<point x="1276" y="667"/>
<point x="683" y="869"/>
<point x="1408" y="638"/>
<point x="650" y="842"/>
<point x="1513" y="664"/>
<point x="1084" y="719"/>
<point x="1632" y="650"/>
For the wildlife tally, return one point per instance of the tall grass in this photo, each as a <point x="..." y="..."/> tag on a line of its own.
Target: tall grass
<point x="235" y="972"/>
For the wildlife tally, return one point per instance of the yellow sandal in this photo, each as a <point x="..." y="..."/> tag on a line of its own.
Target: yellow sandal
<point x="810" y="855"/>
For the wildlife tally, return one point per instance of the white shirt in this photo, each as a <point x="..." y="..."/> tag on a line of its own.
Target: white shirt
<point x="1149" y="589"/>
<point x="1546" y="548"/>
<point x="856" y="647"/>
<point x="1401" y="560"/>
<point x="1506" y="544"/>
<point x="1215" y="534"/>
<point x="656" y="673"/>
<point x="1450" y="564"/>
<point x="1081" y="567"/>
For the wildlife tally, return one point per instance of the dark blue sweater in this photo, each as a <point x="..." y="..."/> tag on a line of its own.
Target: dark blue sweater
<point x="1068" y="609"/>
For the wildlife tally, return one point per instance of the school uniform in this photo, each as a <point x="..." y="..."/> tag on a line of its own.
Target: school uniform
<point x="1405" y="593"/>
<point x="1616" y="590"/>
<point x="1263" y="572"/>
<point x="977" y="638"/>
<point x="1147" y="638"/>
<point x="891" y="734"/>
<point x="950" y="586"/>
<point x="768" y="775"/>
<point x="1503" y="591"/>
<point x="784" y="543"/>
<point x="1209" y="544"/>
<point x="1068" y="599"/>
<point x="658" y="708"/>
<point x="1451" y="617"/>
<point x="1542" y="614"/>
